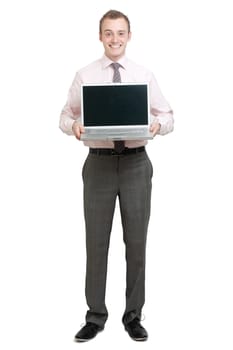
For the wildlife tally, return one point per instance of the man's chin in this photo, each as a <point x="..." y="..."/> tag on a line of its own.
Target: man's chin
<point x="115" y="55"/>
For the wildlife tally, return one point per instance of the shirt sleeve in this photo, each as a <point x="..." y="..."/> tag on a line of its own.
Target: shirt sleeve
<point x="71" y="112"/>
<point x="161" y="111"/>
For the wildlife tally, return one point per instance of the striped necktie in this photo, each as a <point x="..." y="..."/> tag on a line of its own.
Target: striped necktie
<point x="119" y="146"/>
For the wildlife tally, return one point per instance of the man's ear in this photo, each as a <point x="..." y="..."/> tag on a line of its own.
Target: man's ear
<point x="130" y="35"/>
<point x="100" y="36"/>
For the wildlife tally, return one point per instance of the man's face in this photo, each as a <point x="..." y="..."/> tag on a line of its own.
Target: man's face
<point x="114" y="36"/>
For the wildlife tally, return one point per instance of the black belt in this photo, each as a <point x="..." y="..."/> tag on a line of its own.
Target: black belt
<point x="112" y="152"/>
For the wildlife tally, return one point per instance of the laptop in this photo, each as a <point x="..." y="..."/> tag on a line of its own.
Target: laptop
<point x="115" y="111"/>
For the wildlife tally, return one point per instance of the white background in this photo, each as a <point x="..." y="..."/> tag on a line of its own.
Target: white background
<point x="187" y="44"/>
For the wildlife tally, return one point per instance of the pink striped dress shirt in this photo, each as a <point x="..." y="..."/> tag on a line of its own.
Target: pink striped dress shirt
<point x="100" y="71"/>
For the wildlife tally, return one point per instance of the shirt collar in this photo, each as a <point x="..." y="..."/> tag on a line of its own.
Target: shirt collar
<point x="106" y="61"/>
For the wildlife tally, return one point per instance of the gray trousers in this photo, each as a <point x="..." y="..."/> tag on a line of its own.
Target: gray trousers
<point x="105" y="178"/>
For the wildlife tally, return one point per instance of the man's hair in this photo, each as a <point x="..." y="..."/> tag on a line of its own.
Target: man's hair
<point x="113" y="14"/>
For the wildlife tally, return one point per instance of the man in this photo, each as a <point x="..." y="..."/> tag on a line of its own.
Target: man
<point x="127" y="175"/>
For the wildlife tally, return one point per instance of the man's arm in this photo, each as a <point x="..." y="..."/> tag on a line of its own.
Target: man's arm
<point x="162" y="121"/>
<point x="70" y="118"/>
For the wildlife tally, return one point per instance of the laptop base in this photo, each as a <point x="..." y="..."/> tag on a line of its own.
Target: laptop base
<point x="146" y="135"/>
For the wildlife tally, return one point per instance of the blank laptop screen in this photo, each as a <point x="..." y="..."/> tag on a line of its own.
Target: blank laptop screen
<point x="115" y="105"/>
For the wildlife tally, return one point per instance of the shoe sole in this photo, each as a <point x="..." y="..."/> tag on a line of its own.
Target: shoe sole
<point x="139" y="339"/>
<point x="81" y="340"/>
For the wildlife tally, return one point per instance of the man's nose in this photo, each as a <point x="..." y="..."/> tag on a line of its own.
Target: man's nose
<point x="114" y="38"/>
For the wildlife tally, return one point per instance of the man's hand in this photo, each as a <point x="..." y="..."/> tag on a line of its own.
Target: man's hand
<point x="78" y="130"/>
<point x="155" y="128"/>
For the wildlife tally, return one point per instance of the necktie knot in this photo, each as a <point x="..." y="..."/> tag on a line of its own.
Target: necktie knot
<point x="115" y="65"/>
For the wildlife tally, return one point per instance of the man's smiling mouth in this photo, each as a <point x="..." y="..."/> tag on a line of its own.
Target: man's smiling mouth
<point x="115" y="46"/>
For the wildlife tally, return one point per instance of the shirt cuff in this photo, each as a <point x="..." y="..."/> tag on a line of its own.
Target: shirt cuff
<point x="166" y="123"/>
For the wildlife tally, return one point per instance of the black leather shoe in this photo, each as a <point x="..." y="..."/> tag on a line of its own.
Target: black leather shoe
<point x="136" y="331"/>
<point x="88" y="332"/>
